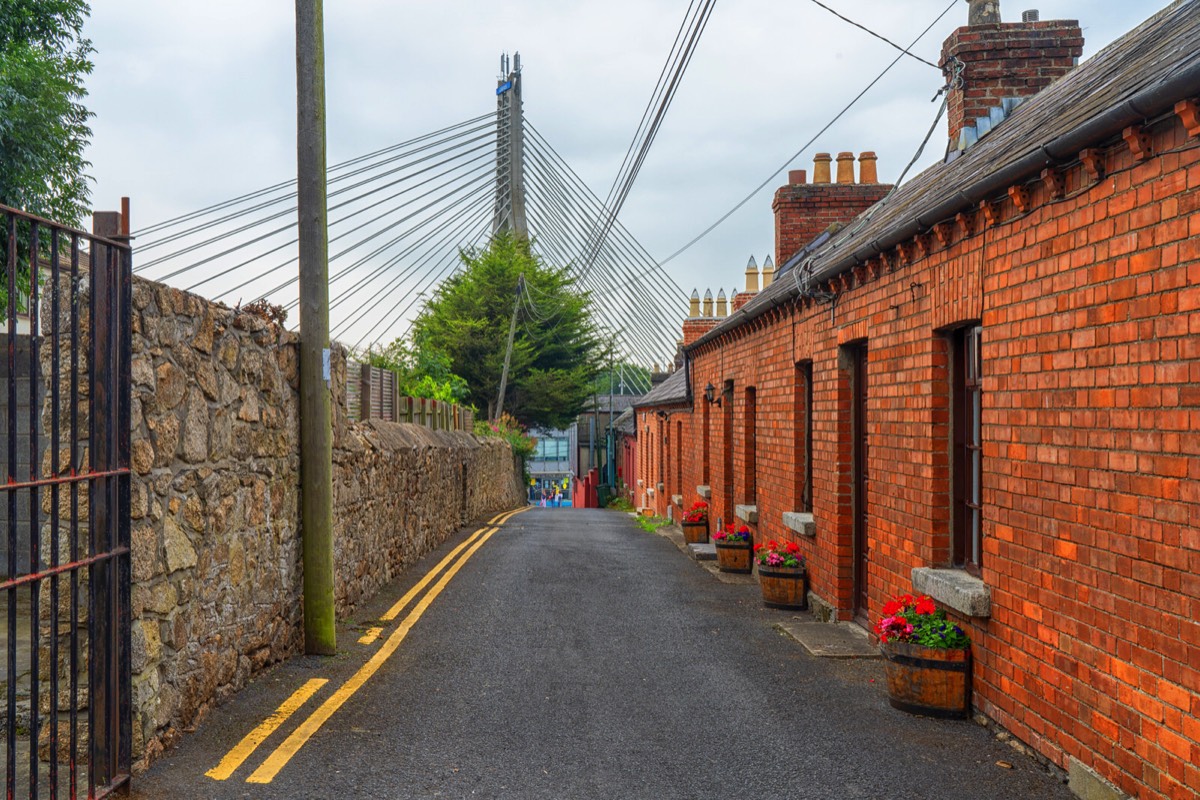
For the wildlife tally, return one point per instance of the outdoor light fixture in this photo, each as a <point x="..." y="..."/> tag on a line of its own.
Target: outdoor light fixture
<point x="710" y="394"/>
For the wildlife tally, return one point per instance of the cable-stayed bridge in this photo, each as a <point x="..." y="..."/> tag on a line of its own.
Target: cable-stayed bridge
<point x="398" y="218"/>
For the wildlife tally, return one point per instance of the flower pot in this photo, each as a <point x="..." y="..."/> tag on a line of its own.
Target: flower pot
<point x="783" y="587"/>
<point x="734" y="557"/>
<point x="929" y="681"/>
<point x="694" y="532"/>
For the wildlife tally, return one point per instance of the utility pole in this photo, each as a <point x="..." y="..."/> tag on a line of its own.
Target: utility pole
<point x="316" y="424"/>
<point x="509" y="213"/>
<point x="512" y="333"/>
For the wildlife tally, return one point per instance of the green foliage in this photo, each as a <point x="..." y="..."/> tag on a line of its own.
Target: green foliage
<point x="650" y="524"/>
<point x="422" y="373"/>
<point x="619" y="503"/>
<point x="556" y="353"/>
<point x="43" y="123"/>
<point x="511" y="431"/>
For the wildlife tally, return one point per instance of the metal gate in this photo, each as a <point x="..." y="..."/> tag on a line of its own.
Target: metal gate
<point x="64" y="502"/>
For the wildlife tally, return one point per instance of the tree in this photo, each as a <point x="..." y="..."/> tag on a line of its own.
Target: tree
<point x="43" y="123"/>
<point x="556" y="351"/>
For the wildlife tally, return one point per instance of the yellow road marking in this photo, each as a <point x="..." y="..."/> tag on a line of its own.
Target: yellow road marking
<point x="371" y="635"/>
<point x="283" y="754"/>
<point x="242" y="750"/>
<point x="395" y="610"/>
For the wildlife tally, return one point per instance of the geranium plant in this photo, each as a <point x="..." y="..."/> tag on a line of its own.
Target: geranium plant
<point x="697" y="513"/>
<point x="727" y="536"/>
<point x="918" y="620"/>
<point x="776" y="554"/>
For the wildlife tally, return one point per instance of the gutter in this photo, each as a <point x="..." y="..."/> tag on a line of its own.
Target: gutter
<point x="1149" y="102"/>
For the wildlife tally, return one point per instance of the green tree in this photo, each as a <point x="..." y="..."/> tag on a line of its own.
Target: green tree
<point x="556" y="351"/>
<point x="424" y="373"/>
<point x="43" y="123"/>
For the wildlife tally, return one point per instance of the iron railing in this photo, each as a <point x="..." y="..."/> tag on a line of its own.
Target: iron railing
<point x="65" y="502"/>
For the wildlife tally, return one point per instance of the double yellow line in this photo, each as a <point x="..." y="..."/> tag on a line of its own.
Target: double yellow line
<point x="267" y="771"/>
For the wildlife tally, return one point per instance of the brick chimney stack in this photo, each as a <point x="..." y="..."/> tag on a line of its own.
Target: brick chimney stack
<point x="1004" y="60"/>
<point x="803" y="211"/>
<point x="700" y="319"/>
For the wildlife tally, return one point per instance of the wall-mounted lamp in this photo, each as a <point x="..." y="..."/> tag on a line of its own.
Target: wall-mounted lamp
<point x="710" y="394"/>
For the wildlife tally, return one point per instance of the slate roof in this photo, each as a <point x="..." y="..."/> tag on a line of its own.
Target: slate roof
<point x="1140" y="75"/>
<point x="620" y="402"/>
<point x="626" y="423"/>
<point x="670" y="392"/>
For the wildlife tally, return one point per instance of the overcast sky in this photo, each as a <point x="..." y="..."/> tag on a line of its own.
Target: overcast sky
<point x="195" y="101"/>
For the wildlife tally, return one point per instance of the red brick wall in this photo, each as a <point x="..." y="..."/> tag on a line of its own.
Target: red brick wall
<point x="1011" y="59"/>
<point x="1090" y="308"/>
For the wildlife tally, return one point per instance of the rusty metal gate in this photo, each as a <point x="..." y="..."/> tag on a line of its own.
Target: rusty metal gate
<point x="64" y="506"/>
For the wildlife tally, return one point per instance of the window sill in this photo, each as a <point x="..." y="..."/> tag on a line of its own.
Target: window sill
<point x="677" y="499"/>
<point x="800" y="522"/>
<point x="955" y="588"/>
<point x="704" y="491"/>
<point x="660" y="488"/>
<point x="747" y="514"/>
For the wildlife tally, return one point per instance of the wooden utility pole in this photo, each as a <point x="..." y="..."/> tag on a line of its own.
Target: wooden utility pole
<point x="512" y="334"/>
<point x="316" y="424"/>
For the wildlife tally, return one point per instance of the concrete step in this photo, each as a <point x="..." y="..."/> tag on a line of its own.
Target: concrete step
<point x="825" y="640"/>
<point x="703" y="552"/>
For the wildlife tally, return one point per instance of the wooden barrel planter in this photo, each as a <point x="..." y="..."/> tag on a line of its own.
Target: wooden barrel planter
<point x="734" y="557"/>
<point x="695" y="532"/>
<point x="783" y="587"/>
<point x="929" y="681"/>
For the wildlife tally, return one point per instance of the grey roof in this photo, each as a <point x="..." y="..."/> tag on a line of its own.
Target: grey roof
<point x="620" y="402"/>
<point x="1136" y="77"/>
<point x="670" y="392"/>
<point x="626" y="423"/>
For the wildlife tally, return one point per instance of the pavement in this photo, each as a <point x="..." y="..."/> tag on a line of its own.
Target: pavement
<point x="576" y="656"/>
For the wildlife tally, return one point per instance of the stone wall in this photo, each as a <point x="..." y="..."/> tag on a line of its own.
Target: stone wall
<point x="215" y="505"/>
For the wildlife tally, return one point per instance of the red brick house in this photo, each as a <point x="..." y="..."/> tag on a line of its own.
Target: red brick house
<point x="986" y="387"/>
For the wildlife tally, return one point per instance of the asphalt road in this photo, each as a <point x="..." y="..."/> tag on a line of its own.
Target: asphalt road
<point x="576" y="656"/>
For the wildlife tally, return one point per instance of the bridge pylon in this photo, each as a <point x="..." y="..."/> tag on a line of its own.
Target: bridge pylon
<point x="509" y="212"/>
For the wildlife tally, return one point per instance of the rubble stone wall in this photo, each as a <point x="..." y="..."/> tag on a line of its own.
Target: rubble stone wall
<point x="215" y="504"/>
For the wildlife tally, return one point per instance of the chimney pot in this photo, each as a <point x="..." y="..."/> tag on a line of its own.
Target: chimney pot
<point x="821" y="162"/>
<point x="722" y="307"/>
<point x="694" y="305"/>
<point x="797" y="177"/>
<point x="768" y="272"/>
<point x="751" y="276"/>
<point x="867" y="172"/>
<point x="983" y="12"/>
<point x="845" y="168"/>
<point x="1031" y="15"/>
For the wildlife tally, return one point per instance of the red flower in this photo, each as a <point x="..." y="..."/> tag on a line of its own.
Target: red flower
<point x="793" y="548"/>
<point x="926" y="606"/>
<point x="774" y="545"/>
<point x="892" y="608"/>
<point x="758" y="547"/>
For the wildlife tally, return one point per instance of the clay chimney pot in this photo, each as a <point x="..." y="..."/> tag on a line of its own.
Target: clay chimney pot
<point x="845" y="168"/>
<point x="867" y="172"/>
<point x="821" y="162"/>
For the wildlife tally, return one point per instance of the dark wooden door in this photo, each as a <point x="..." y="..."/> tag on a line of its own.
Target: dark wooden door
<point x="861" y="477"/>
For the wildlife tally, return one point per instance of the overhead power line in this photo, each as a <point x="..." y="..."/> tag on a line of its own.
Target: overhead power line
<point x="904" y="50"/>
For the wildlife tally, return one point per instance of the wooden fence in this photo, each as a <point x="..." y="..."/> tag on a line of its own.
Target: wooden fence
<point x="372" y="393"/>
